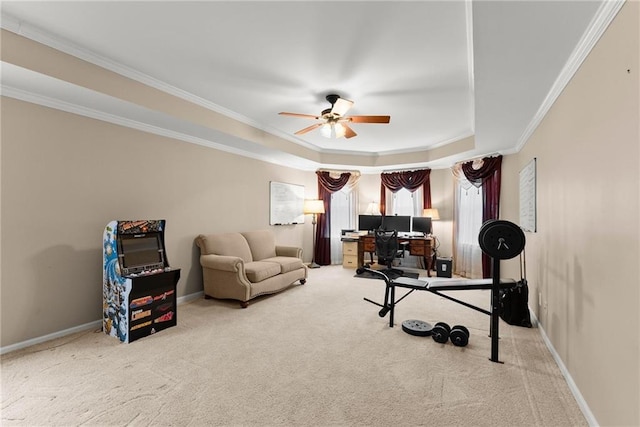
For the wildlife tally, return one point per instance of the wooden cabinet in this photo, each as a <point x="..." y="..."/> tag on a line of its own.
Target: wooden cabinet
<point x="350" y="254"/>
<point x="369" y="244"/>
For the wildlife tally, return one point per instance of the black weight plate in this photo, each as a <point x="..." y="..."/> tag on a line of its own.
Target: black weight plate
<point x="501" y="239"/>
<point x="462" y="328"/>
<point x="459" y="338"/>
<point x="444" y="325"/>
<point x="417" y="328"/>
<point x="440" y="332"/>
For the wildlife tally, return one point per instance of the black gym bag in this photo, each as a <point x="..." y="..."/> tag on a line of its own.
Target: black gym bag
<point x="514" y="302"/>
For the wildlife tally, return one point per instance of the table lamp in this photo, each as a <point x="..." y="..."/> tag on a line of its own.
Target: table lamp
<point x="431" y="213"/>
<point x="314" y="207"/>
<point x="373" y="209"/>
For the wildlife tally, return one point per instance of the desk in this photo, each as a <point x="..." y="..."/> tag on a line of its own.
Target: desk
<point x="419" y="246"/>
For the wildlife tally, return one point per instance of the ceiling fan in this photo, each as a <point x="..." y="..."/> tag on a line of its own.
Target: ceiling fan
<point x="333" y="122"/>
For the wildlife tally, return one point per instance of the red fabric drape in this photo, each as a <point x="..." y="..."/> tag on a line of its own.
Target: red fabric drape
<point x="411" y="180"/>
<point x="426" y="195"/>
<point x="326" y="186"/>
<point x="489" y="177"/>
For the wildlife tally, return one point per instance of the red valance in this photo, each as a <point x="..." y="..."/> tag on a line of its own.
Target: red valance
<point x="490" y="166"/>
<point x="332" y="184"/>
<point x="411" y="180"/>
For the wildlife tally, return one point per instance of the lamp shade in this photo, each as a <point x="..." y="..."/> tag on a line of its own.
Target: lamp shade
<point x="431" y="213"/>
<point x="325" y="130"/>
<point x="373" y="209"/>
<point x="313" y="207"/>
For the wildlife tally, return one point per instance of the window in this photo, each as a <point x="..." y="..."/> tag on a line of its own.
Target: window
<point x="404" y="202"/>
<point x="343" y="216"/>
<point x="468" y="222"/>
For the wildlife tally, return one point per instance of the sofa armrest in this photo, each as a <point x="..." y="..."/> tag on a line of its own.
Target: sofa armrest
<point x="290" y="251"/>
<point x="222" y="262"/>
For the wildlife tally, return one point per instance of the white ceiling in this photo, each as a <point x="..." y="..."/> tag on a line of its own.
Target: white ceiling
<point x="443" y="71"/>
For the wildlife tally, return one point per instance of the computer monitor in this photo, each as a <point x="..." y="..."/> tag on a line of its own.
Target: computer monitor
<point x="369" y="222"/>
<point x="400" y="223"/>
<point x="421" y="224"/>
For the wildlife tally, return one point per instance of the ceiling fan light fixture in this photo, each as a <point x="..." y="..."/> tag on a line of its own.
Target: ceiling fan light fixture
<point x="326" y="130"/>
<point x="332" y="121"/>
<point x="333" y="130"/>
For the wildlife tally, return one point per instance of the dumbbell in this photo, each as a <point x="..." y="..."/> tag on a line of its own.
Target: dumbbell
<point x="440" y="332"/>
<point x="459" y="336"/>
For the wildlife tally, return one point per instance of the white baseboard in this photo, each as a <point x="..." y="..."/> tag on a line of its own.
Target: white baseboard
<point x="582" y="404"/>
<point x="13" y="347"/>
<point x="190" y="297"/>
<point x="91" y="325"/>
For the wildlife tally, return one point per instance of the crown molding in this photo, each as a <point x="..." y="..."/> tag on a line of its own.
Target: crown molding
<point x="288" y="160"/>
<point x="36" y="34"/>
<point x="607" y="11"/>
<point x="80" y="110"/>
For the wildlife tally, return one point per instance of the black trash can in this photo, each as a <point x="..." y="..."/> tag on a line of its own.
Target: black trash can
<point x="444" y="267"/>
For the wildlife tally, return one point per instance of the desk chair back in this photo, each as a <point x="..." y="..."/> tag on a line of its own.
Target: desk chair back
<point x="387" y="246"/>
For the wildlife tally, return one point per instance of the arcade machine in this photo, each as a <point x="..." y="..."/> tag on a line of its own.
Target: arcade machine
<point x="138" y="286"/>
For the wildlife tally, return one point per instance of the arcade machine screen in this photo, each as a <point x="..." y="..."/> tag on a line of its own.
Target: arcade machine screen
<point x="141" y="252"/>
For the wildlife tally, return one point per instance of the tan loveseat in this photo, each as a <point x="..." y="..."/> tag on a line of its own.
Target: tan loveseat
<point x="245" y="265"/>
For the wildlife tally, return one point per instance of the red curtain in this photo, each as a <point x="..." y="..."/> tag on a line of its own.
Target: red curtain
<point x="326" y="186"/>
<point x="488" y="177"/>
<point x="411" y="180"/>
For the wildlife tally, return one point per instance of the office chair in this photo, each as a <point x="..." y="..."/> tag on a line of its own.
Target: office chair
<point x="387" y="249"/>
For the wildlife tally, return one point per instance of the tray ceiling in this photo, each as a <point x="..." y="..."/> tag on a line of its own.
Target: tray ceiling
<point x="459" y="79"/>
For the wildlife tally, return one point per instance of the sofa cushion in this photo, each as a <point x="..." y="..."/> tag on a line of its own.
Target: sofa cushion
<point x="262" y="244"/>
<point x="287" y="264"/>
<point x="231" y="244"/>
<point x="258" y="271"/>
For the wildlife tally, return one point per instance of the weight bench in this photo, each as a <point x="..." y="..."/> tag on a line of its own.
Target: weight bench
<point x="436" y="286"/>
<point x="498" y="239"/>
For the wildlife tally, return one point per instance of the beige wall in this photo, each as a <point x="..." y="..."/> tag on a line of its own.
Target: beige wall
<point x="64" y="177"/>
<point x="583" y="261"/>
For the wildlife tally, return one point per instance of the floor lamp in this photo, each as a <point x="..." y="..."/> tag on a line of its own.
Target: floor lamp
<point x="314" y="207"/>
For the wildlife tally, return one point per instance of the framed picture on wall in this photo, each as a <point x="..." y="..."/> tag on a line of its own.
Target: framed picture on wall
<point x="528" y="197"/>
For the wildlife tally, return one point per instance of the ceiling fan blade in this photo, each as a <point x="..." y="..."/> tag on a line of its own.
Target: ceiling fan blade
<point x="369" y="119"/>
<point x="341" y="106"/>
<point x="305" y="116"/>
<point x="348" y="132"/>
<point x="309" y="128"/>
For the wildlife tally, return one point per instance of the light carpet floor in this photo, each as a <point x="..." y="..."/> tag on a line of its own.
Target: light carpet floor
<point x="313" y="355"/>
